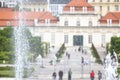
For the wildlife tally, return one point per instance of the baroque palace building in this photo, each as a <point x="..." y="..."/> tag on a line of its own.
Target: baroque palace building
<point x="78" y="24"/>
<point x="102" y="7"/>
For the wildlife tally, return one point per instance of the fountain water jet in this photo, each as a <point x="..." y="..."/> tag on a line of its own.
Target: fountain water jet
<point x="21" y="46"/>
<point x="111" y="65"/>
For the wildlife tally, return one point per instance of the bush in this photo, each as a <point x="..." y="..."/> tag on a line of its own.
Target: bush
<point x="96" y="55"/>
<point x="61" y="51"/>
<point x="118" y="70"/>
<point x="7" y="56"/>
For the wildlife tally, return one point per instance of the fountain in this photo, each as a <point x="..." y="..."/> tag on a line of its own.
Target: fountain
<point x="21" y="47"/>
<point x="111" y="65"/>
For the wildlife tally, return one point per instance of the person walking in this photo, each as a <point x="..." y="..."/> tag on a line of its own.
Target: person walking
<point x="68" y="55"/>
<point x="92" y="75"/>
<point x="99" y="75"/>
<point x="60" y="75"/>
<point x="54" y="75"/>
<point x="69" y="74"/>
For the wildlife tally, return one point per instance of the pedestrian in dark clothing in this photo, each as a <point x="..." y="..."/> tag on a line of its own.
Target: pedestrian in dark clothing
<point x="68" y="56"/>
<point x="82" y="51"/>
<point x="69" y="74"/>
<point x="79" y="49"/>
<point x="60" y="75"/>
<point x="82" y="60"/>
<point x="92" y="75"/>
<point x="54" y="75"/>
<point x="99" y="75"/>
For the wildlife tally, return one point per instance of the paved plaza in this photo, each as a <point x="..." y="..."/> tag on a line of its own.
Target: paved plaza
<point x="78" y="73"/>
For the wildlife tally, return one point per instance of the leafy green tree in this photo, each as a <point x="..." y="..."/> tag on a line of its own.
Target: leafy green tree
<point x="7" y="32"/>
<point x="117" y="46"/>
<point x="36" y="46"/>
<point x="113" y="43"/>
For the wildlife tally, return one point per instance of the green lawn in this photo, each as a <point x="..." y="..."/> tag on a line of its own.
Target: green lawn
<point x="10" y="72"/>
<point x="6" y="72"/>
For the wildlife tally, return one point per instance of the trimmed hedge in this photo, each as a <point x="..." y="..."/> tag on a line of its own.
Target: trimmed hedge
<point x="118" y="70"/>
<point x="61" y="51"/>
<point x="96" y="55"/>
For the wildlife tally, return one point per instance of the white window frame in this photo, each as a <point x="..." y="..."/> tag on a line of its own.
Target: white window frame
<point x="103" y="39"/>
<point x="66" y="23"/>
<point x="53" y="38"/>
<point x="89" y="38"/>
<point x="65" y="38"/>
<point x="116" y="7"/>
<point x="78" y="23"/>
<point x="90" y="23"/>
<point x="109" y="22"/>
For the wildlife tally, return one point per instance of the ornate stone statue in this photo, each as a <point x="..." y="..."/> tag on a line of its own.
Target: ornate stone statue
<point x="111" y="65"/>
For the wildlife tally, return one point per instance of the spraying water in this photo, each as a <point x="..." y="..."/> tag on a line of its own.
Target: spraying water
<point x="21" y="47"/>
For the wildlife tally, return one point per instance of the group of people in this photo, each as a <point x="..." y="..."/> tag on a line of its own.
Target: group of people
<point x="60" y="74"/>
<point x="92" y="75"/>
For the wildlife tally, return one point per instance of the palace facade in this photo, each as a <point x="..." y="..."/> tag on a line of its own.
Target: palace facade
<point x="77" y="25"/>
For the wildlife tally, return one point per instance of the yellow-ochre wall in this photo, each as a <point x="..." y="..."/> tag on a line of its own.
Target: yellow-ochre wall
<point x="105" y="4"/>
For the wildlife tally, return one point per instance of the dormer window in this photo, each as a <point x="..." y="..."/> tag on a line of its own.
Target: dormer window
<point x="84" y="9"/>
<point x="47" y="21"/>
<point x="72" y="9"/>
<point x="109" y="22"/>
<point x="7" y="23"/>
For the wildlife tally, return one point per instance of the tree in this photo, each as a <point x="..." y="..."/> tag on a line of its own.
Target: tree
<point x="113" y="43"/>
<point x="117" y="46"/>
<point x="36" y="46"/>
<point x="7" y="32"/>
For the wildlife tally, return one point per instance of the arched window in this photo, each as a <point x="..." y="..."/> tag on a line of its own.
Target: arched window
<point x="66" y="23"/>
<point x="78" y="23"/>
<point x="90" y="23"/>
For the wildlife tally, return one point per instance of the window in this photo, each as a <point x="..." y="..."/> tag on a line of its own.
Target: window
<point x="86" y="0"/>
<point x="109" y="22"/>
<point x="116" y="7"/>
<point x="84" y="9"/>
<point x="93" y="0"/>
<point x="100" y="8"/>
<point x="90" y="23"/>
<point x="116" y="0"/>
<point x="66" y="23"/>
<point x="8" y="23"/>
<point x="66" y="38"/>
<point x="72" y="9"/>
<point x="47" y="21"/>
<point x="53" y="38"/>
<point x="108" y="8"/>
<point x="103" y="39"/>
<point x="78" y="23"/>
<point x="89" y="38"/>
